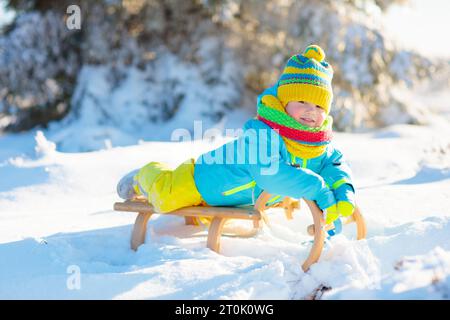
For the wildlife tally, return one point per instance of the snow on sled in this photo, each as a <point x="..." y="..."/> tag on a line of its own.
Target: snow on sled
<point x="219" y="215"/>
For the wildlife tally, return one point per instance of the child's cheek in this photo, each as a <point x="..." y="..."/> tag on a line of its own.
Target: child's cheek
<point x="321" y="119"/>
<point x="293" y="111"/>
<point x="296" y="113"/>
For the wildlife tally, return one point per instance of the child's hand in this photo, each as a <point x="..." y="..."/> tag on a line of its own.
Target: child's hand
<point x="345" y="197"/>
<point x="343" y="208"/>
<point x="332" y="214"/>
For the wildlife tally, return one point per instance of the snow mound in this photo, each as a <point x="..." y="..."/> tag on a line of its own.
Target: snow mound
<point x="61" y="239"/>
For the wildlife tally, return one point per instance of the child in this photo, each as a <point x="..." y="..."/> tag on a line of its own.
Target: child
<point x="292" y="125"/>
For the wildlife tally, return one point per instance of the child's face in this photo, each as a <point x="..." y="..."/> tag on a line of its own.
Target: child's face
<point x="306" y="113"/>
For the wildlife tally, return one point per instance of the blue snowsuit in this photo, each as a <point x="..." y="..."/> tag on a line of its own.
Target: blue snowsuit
<point x="244" y="172"/>
<point x="325" y="179"/>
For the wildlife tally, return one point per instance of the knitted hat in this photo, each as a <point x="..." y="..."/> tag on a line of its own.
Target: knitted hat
<point x="307" y="77"/>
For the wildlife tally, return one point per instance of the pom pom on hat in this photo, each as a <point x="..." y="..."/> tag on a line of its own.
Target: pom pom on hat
<point x="314" y="52"/>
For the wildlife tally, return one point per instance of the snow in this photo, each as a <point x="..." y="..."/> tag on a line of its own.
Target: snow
<point x="401" y="23"/>
<point x="57" y="223"/>
<point x="121" y="106"/>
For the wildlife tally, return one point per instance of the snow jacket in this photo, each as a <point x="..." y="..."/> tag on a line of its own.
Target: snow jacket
<point x="237" y="172"/>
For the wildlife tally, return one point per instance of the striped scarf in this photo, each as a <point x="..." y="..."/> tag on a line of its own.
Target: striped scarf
<point x="302" y="141"/>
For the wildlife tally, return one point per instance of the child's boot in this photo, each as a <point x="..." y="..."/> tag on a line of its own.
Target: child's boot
<point x="125" y="187"/>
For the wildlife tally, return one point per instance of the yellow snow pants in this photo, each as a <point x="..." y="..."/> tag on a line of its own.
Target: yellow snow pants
<point x="166" y="189"/>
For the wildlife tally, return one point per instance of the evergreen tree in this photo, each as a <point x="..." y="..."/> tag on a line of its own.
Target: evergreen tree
<point x="232" y="49"/>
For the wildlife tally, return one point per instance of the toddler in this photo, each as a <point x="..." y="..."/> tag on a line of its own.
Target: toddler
<point x="285" y="150"/>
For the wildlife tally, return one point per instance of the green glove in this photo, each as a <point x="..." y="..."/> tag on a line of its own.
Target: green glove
<point x="343" y="208"/>
<point x="332" y="214"/>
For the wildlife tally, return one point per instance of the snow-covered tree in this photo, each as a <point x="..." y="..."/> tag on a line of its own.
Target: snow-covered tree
<point x="39" y="63"/>
<point x="135" y="63"/>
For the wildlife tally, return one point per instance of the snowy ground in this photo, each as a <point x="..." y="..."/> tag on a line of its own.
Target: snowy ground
<point x="56" y="219"/>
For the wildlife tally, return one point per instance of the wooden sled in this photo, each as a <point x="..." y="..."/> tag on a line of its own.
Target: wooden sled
<point x="256" y="214"/>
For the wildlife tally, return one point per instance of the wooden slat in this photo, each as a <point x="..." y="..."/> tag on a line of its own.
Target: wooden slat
<point x="222" y="212"/>
<point x="214" y="233"/>
<point x="260" y="206"/>
<point x="319" y="236"/>
<point x="139" y="230"/>
<point x="191" y="221"/>
<point x="360" y="224"/>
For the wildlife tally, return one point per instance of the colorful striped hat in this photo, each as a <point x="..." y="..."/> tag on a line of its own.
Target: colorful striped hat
<point x="307" y="77"/>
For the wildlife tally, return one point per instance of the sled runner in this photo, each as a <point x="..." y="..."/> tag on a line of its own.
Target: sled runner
<point x="219" y="215"/>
